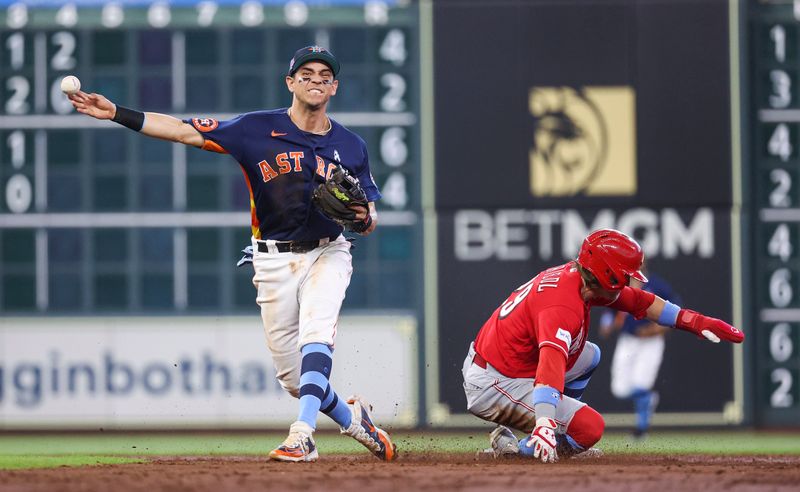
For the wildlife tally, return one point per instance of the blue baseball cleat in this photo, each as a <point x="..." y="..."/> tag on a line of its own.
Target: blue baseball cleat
<point x="363" y="430"/>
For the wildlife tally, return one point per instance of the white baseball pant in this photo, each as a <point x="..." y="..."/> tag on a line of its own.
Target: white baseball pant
<point x="635" y="364"/>
<point x="509" y="401"/>
<point x="300" y="295"/>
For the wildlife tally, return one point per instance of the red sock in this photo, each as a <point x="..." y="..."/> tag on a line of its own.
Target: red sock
<point x="586" y="427"/>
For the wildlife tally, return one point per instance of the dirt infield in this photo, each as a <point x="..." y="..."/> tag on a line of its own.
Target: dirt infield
<point x="419" y="472"/>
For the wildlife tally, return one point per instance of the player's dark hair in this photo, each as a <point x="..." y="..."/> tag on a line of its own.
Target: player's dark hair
<point x="588" y="277"/>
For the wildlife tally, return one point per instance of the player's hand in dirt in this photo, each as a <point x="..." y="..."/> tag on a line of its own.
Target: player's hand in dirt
<point x="95" y="105"/>
<point x="543" y="440"/>
<point x="707" y="327"/>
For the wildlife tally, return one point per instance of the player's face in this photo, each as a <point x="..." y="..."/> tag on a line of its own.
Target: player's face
<point x="313" y="84"/>
<point x="592" y="291"/>
<point x="600" y="294"/>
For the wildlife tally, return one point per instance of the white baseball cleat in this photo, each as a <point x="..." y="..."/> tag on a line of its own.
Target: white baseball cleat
<point x="299" y="446"/>
<point x="363" y="430"/>
<point x="504" y="442"/>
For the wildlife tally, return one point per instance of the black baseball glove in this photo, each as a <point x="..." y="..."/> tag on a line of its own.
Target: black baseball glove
<point x="337" y="196"/>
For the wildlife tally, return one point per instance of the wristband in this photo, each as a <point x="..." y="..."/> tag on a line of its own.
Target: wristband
<point x="545" y="401"/>
<point x="363" y="225"/>
<point x="129" y="118"/>
<point x="546" y="394"/>
<point x="669" y="315"/>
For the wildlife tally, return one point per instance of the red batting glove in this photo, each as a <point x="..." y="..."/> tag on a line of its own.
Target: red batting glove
<point x="707" y="327"/>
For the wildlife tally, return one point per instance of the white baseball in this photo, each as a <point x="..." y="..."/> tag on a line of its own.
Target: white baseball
<point x="70" y="85"/>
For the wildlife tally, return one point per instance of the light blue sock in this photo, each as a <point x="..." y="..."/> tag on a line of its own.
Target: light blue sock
<point x="641" y="405"/>
<point x="315" y="370"/>
<point x="524" y="450"/>
<point x="563" y="440"/>
<point x="336" y="408"/>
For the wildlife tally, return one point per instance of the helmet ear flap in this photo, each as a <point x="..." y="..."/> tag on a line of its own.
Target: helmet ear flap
<point x="612" y="278"/>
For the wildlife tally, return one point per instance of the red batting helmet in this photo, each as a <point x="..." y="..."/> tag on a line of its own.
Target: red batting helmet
<point x="612" y="257"/>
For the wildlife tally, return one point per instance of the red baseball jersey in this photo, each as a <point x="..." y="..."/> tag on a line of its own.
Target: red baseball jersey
<point x="548" y="310"/>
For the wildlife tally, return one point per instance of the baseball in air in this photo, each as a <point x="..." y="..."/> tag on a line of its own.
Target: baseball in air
<point x="70" y="85"/>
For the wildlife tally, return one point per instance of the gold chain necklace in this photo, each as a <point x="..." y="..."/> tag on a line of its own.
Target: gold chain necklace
<point x="324" y="132"/>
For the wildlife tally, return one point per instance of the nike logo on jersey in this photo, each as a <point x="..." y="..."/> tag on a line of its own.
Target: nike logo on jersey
<point x="276" y="134"/>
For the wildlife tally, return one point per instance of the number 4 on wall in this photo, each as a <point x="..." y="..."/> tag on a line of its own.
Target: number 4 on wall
<point x="780" y="143"/>
<point x="394" y="190"/>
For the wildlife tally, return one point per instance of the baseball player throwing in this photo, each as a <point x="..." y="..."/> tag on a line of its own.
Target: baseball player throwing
<point x="530" y="363"/>
<point x="302" y="262"/>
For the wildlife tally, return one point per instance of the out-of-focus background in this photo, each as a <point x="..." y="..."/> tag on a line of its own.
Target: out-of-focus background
<point x="500" y="133"/>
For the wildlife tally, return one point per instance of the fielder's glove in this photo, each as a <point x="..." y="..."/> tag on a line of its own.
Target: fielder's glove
<point x="707" y="327"/>
<point x="337" y="197"/>
<point x="543" y="440"/>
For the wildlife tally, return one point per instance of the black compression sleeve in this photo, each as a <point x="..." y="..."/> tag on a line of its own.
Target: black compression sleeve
<point x="129" y="118"/>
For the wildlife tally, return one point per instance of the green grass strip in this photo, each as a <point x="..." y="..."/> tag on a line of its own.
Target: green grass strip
<point x="722" y="443"/>
<point x="17" y="462"/>
<point x="38" y="450"/>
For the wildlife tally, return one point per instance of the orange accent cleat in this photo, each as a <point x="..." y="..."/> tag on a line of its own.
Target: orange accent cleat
<point x="363" y="430"/>
<point x="299" y="446"/>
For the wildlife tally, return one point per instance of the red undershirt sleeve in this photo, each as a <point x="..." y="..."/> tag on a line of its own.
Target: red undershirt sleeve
<point x="552" y="367"/>
<point x="634" y="301"/>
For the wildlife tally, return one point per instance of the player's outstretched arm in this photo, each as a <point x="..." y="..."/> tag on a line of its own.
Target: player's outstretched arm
<point x="170" y="128"/>
<point x="152" y="124"/>
<point x="644" y="304"/>
<point x="713" y="329"/>
<point x="94" y="105"/>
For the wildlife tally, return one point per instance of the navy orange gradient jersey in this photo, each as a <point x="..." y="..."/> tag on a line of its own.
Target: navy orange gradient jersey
<point x="282" y="165"/>
<point x="548" y="310"/>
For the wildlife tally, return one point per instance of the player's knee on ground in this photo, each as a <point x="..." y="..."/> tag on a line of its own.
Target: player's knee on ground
<point x="586" y="427"/>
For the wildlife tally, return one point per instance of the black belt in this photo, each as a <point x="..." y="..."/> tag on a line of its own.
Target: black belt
<point x="295" y="246"/>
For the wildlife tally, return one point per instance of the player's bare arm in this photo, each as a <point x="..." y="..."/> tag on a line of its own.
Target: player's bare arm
<point x="155" y="125"/>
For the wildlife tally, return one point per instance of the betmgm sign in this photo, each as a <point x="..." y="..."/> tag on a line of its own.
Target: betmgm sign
<point x="584" y="143"/>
